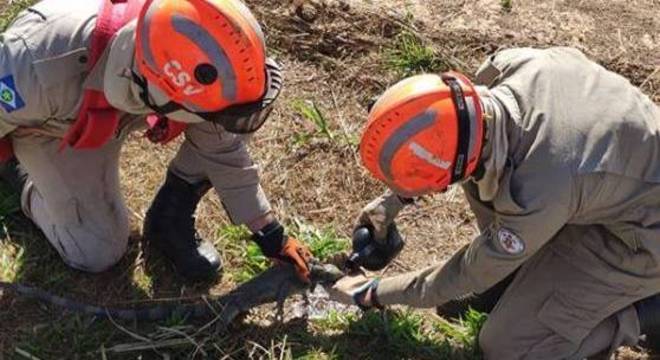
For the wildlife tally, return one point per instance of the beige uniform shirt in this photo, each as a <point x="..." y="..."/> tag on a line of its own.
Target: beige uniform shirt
<point x="581" y="145"/>
<point x="44" y="72"/>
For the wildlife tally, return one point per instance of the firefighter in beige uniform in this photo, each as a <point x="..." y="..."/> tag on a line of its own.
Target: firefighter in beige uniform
<point x="185" y="68"/>
<point x="566" y="191"/>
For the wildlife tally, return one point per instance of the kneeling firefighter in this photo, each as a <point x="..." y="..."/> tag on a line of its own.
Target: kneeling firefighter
<point x="558" y="159"/>
<point x="76" y="77"/>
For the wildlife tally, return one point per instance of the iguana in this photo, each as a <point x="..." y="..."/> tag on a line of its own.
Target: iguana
<point x="273" y="285"/>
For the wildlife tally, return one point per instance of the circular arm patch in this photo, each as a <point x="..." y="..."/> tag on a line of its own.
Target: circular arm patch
<point x="511" y="243"/>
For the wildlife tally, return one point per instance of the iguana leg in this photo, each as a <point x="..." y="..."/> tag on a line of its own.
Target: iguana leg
<point x="281" y="296"/>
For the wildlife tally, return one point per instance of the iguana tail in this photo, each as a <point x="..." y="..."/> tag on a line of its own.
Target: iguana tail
<point x="273" y="285"/>
<point x="146" y="314"/>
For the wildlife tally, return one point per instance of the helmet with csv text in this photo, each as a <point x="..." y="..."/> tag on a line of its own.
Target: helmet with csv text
<point x="205" y="57"/>
<point x="424" y="134"/>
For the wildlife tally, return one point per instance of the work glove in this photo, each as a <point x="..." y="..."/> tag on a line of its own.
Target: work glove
<point x="356" y="290"/>
<point x="279" y="247"/>
<point x="381" y="212"/>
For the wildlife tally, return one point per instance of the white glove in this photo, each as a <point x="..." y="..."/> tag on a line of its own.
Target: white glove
<point x="354" y="290"/>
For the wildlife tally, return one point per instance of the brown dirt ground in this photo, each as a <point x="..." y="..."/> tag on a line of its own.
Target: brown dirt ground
<point x="336" y="60"/>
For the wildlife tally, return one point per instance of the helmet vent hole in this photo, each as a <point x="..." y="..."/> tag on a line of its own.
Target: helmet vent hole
<point x="206" y="74"/>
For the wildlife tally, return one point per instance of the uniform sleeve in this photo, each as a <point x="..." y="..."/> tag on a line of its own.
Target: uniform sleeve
<point x="514" y="234"/>
<point x="23" y="101"/>
<point x="503" y="64"/>
<point x="211" y="153"/>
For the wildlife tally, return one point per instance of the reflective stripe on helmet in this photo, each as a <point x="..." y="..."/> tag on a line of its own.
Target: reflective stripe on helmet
<point x="146" y="40"/>
<point x="472" y="110"/>
<point x="401" y="136"/>
<point x="427" y="156"/>
<point x="247" y="15"/>
<point x="213" y="50"/>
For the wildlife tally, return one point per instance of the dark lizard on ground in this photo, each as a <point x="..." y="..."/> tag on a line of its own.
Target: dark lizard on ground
<point x="273" y="285"/>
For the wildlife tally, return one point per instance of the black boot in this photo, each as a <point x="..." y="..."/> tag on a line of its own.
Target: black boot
<point x="648" y="312"/>
<point x="484" y="302"/>
<point x="170" y="228"/>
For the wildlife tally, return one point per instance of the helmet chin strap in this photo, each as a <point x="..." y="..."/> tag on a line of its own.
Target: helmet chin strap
<point x="463" y="117"/>
<point x="162" y="110"/>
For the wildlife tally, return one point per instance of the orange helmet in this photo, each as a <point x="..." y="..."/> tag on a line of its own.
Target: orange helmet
<point x="204" y="55"/>
<point x="424" y="134"/>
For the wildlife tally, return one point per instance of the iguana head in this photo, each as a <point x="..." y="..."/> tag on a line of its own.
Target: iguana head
<point x="324" y="274"/>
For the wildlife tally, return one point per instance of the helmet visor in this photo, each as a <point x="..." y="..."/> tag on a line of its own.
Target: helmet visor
<point x="242" y="119"/>
<point x="248" y="118"/>
<point x="238" y="119"/>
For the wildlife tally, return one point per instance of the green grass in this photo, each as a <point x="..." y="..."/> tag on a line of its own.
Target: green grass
<point x="409" y="55"/>
<point x="324" y="243"/>
<point x="68" y="338"/>
<point x="466" y="332"/>
<point x="243" y="258"/>
<point x="310" y="112"/>
<point x="507" y="5"/>
<point x="12" y="10"/>
<point x="320" y="126"/>
<point x="401" y="334"/>
<point x="248" y="260"/>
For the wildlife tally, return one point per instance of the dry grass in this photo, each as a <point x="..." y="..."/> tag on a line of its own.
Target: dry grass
<point x="336" y="58"/>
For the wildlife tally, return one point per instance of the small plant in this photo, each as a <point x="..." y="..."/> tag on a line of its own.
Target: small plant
<point x="507" y="5"/>
<point x="175" y="320"/>
<point x="323" y="243"/>
<point x="311" y="112"/>
<point x="254" y="262"/>
<point x="335" y="321"/>
<point x="245" y="256"/>
<point x="247" y="260"/>
<point x="318" y="354"/>
<point x="466" y="332"/>
<point x="409" y="56"/>
<point x="409" y="334"/>
<point x="12" y="259"/>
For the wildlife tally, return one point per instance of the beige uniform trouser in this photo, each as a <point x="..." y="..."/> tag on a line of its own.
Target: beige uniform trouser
<point x="74" y="197"/>
<point x="553" y="309"/>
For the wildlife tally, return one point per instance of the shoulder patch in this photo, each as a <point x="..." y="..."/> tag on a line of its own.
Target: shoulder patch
<point x="510" y="242"/>
<point x="10" y="99"/>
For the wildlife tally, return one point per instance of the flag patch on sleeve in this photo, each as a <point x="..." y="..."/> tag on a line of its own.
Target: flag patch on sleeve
<point x="10" y="99"/>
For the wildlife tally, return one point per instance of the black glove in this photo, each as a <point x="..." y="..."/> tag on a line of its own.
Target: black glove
<point x="371" y="254"/>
